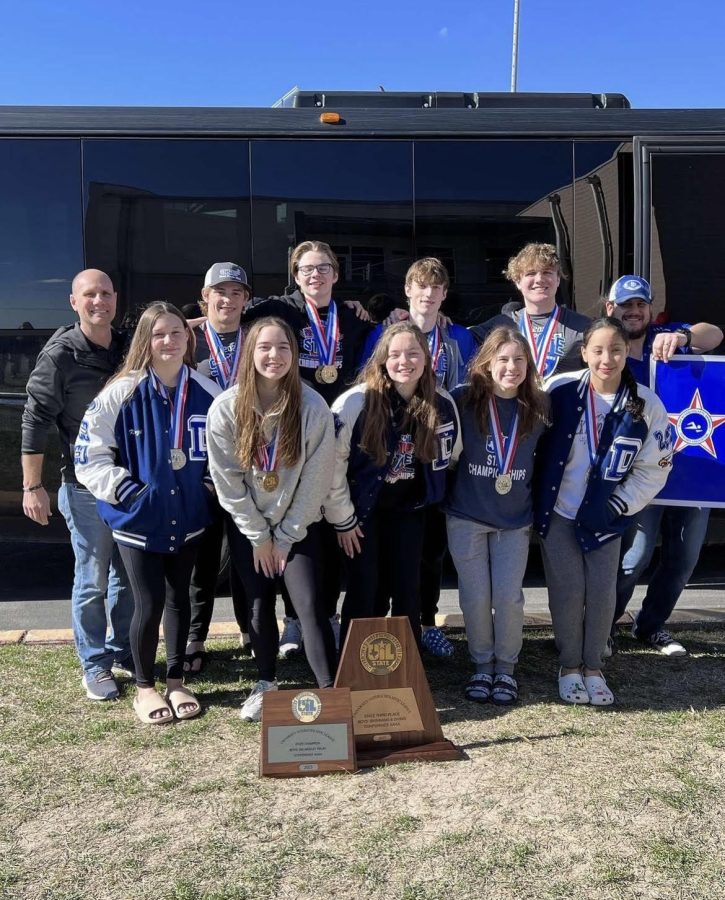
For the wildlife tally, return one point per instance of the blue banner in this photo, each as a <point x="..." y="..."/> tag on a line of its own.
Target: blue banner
<point x="692" y="389"/>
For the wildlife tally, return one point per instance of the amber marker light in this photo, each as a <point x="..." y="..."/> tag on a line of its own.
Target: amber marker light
<point x="330" y="118"/>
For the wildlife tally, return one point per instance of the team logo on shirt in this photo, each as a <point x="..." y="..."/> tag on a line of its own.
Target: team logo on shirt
<point x="694" y="426"/>
<point x="306" y="707"/>
<point x="309" y="355"/>
<point x="381" y="653"/>
<point x="402" y="465"/>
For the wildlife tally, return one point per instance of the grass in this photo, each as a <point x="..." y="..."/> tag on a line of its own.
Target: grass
<point x="551" y="801"/>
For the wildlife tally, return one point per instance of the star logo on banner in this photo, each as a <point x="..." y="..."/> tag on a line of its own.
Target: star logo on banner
<point x="694" y="426"/>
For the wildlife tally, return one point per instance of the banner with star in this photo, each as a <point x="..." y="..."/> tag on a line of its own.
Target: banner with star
<point x="692" y="389"/>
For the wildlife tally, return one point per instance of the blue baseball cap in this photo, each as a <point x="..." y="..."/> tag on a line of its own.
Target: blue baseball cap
<point x="630" y="287"/>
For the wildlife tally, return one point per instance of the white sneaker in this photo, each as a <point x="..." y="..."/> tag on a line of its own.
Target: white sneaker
<point x="291" y="640"/>
<point x="100" y="687"/>
<point x="335" y="624"/>
<point x="252" y="708"/>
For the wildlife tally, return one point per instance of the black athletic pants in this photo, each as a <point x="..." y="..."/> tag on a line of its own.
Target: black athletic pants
<point x="392" y="547"/>
<point x="160" y="585"/>
<point x="301" y="579"/>
<point x="206" y="574"/>
<point x="330" y="576"/>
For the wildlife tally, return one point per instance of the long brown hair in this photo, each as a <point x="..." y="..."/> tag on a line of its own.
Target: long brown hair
<point x="138" y="358"/>
<point x="249" y="436"/>
<point x="421" y="413"/>
<point x="533" y="402"/>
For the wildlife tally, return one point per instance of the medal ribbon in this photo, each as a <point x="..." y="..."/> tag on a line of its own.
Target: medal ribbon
<point x="176" y="428"/>
<point x="435" y="345"/>
<point x="226" y="369"/>
<point x="504" y="448"/>
<point x="540" y="346"/>
<point x="267" y="454"/>
<point x="590" y="421"/>
<point x="325" y="339"/>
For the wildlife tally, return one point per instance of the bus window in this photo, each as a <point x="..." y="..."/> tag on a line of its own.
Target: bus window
<point x="41" y="236"/>
<point x="478" y="202"/>
<point x="158" y="212"/>
<point x="356" y="196"/>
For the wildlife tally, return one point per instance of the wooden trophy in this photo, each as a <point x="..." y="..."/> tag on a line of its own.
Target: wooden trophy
<point x="307" y="732"/>
<point x="393" y="714"/>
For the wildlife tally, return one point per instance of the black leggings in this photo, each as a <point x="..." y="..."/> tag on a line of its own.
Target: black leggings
<point x="205" y="576"/>
<point x="330" y="576"/>
<point x="392" y="547"/>
<point x="301" y="579"/>
<point x="160" y="585"/>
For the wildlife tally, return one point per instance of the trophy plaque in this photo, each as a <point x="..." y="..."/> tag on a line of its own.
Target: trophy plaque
<point x="307" y="732"/>
<point x="393" y="714"/>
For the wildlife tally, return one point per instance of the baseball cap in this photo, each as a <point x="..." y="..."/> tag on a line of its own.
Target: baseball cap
<point x="630" y="287"/>
<point x="226" y="271"/>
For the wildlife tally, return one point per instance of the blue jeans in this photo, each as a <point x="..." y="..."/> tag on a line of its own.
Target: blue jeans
<point x="99" y="578"/>
<point x="683" y="532"/>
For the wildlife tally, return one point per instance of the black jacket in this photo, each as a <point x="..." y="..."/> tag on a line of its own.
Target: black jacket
<point x="69" y="372"/>
<point x="353" y="333"/>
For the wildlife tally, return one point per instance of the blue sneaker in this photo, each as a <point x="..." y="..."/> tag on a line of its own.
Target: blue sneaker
<point x="436" y="643"/>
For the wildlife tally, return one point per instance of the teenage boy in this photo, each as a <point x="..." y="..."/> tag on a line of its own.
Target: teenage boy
<point x="71" y="369"/>
<point x="451" y="348"/>
<point x="553" y="332"/>
<point x="682" y="528"/>
<point x="219" y="341"/>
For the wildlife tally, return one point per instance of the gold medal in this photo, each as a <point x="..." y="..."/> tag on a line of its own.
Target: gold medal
<point x="178" y="459"/>
<point x="326" y="374"/>
<point x="269" y="481"/>
<point x="504" y="483"/>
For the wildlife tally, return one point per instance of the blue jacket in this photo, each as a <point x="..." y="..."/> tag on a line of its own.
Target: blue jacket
<point x="631" y="467"/>
<point x="358" y="479"/>
<point x="123" y="457"/>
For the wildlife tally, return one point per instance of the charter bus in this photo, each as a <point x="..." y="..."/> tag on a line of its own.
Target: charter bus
<point x="152" y="196"/>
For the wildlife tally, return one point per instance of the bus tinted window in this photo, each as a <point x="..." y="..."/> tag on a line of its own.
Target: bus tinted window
<point x="358" y="197"/>
<point x="41" y="235"/>
<point x="159" y="212"/>
<point x="478" y="202"/>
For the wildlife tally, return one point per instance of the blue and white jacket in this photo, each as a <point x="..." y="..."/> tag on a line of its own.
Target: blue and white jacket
<point x="123" y="457"/>
<point x="631" y="467"/>
<point x="358" y="479"/>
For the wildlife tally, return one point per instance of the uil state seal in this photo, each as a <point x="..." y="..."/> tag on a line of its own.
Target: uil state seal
<point x="306" y="707"/>
<point x="381" y="653"/>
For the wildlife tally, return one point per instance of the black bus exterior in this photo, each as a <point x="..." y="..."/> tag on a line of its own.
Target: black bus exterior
<point x="152" y="196"/>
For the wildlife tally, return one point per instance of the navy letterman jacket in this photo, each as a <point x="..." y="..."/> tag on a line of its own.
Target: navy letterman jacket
<point x="358" y="479"/>
<point x="631" y="467"/>
<point x="123" y="457"/>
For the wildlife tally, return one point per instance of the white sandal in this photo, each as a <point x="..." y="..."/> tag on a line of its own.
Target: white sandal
<point x="572" y="689"/>
<point x="599" y="693"/>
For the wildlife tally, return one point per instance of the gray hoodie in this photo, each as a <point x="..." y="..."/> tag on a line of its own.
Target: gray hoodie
<point x="286" y="512"/>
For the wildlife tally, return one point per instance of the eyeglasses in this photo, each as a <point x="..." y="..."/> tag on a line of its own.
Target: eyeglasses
<point x="323" y="269"/>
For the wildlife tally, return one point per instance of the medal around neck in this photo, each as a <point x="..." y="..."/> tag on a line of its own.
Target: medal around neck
<point x="326" y="374"/>
<point x="503" y="484"/>
<point x="269" y="481"/>
<point x="178" y="459"/>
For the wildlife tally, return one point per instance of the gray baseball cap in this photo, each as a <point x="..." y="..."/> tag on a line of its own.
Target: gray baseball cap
<point x="226" y="271"/>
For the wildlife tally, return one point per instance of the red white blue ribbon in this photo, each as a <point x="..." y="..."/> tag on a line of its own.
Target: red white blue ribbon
<point x="540" y="345"/>
<point x="227" y="369"/>
<point x="267" y="454"/>
<point x="435" y="345"/>
<point x="590" y="423"/>
<point x="504" y="447"/>
<point x="325" y="339"/>
<point x="177" y="409"/>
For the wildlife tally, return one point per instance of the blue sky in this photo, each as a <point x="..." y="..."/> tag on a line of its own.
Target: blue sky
<point x="240" y="53"/>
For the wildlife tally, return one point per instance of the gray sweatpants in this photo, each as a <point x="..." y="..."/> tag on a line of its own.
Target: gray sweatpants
<point x="582" y="593"/>
<point x="490" y="564"/>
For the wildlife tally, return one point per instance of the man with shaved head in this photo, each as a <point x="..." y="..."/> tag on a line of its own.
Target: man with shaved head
<point x="70" y="371"/>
